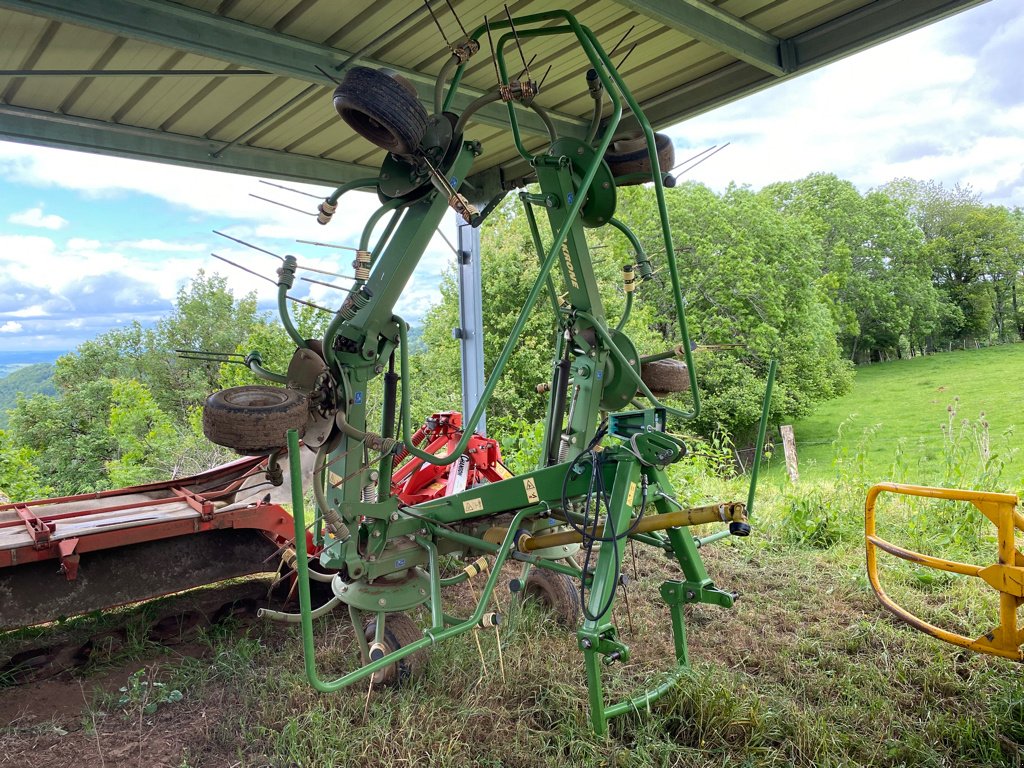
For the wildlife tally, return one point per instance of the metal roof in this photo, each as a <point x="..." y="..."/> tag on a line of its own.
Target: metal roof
<point x="234" y="85"/>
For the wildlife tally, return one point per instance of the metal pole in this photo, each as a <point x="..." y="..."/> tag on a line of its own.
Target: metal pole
<point x="471" y="322"/>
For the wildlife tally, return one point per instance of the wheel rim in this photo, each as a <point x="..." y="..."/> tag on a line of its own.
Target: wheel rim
<point x="256" y="399"/>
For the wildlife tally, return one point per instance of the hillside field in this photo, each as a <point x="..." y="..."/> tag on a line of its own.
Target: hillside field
<point x="909" y="401"/>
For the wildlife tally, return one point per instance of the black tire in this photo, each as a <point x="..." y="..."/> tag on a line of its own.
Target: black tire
<point x="381" y="109"/>
<point x="629" y="156"/>
<point x="254" y="420"/>
<point x="664" y="377"/>
<point x="557" y="592"/>
<point x="399" y="631"/>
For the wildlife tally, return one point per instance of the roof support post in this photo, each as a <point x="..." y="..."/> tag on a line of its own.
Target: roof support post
<point x="471" y="330"/>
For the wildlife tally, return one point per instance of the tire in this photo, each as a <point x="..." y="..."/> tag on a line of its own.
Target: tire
<point x="664" y="377"/>
<point x="254" y="420"/>
<point x="557" y="592"/>
<point x="399" y="631"/>
<point x="381" y="109"/>
<point x="629" y="156"/>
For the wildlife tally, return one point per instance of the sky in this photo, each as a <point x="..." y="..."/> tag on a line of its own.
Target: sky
<point x="89" y="243"/>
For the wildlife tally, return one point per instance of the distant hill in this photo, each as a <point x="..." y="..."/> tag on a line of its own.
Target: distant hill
<point x="29" y="380"/>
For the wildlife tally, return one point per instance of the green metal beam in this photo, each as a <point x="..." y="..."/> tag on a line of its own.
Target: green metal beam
<point x="48" y="129"/>
<point x="189" y="29"/>
<point x="870" y="25"/>
<point x="706" y="22"/>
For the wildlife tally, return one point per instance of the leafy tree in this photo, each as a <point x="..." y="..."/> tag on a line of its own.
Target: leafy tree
<point x="206" y="316"/>
<point x="20" y="478"/>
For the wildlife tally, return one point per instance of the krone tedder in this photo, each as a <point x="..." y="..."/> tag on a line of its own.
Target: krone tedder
<point x="602" y="480"/>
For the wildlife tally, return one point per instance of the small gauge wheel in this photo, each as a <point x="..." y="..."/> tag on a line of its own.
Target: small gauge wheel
<point x="254" y="420"/>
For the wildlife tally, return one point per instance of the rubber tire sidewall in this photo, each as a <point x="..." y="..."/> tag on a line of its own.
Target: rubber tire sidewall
<point x="399" y="631"/>
<point x="254" y="429"/>
<point x="369" y="94"/>
<point x="556" y="591"/>
<point x="639" y="161"/>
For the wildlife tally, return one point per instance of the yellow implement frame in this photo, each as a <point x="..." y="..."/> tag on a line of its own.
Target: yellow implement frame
<point x="1006" y="576"/>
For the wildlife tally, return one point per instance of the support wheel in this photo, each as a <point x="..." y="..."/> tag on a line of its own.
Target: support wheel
<point x="557" y="592"/>
<point x="399" y="631"/>
<point x="381" y="109"/>
<point x="254" y="420"/>
<point x="665" y="377"/>
<point x="629" y="156"/>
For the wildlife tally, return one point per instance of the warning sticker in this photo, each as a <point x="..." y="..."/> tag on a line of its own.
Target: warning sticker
<point x="531" y="490"/>
<point x="631" y="494"/>
<point x="473" y="505"/>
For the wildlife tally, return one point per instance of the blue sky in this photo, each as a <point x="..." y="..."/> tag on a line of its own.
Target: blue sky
<point x="89" y="243"/>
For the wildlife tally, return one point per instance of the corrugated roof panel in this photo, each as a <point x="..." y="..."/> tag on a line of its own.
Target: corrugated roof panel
<point x="673" y="73"/>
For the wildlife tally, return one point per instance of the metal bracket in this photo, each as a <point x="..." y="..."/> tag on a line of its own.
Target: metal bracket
<point x="69" y="558"/>
<point x="39" y="530"/>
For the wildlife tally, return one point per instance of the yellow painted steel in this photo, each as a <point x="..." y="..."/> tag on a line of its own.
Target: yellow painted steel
<point x="730" y="512"/>
<point x="1006" y="576"/>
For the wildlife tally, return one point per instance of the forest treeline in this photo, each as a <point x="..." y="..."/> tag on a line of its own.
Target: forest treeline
<point x="812" y="273"/>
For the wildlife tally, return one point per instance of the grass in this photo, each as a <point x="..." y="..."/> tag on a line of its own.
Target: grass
<point x="905" y="402"/>
<point x="807" y="669"/>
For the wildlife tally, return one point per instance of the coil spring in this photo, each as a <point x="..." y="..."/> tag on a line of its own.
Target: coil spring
<point x="362" y="265"/>
<point x="563" y="449"/>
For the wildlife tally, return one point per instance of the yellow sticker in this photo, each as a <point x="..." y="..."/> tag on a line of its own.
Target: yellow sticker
<point x="531" y="490"/>
<point x="632" y="493"/>
<point x="336" y="480"/>
<point x="473" y="505"/>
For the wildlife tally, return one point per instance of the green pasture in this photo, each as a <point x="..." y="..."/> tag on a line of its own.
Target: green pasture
<point x="901" y="412"/>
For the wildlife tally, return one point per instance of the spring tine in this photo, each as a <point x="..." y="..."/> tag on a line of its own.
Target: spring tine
<point x="208" y="352"/>
<point x="448" y="243"/>
<point x="437" y="24"/>
<point x="328" y="245"/>
<point x="621" y="41"/>
<point x="458" y="21"/>
<point x="519" y="44"/>
<point x="327" y="285"/>
<point x="691" y="158"/>
<point x="289" y="189"/>
<point x="327" y="74"/>
<point x="630" y="51"/>
<point x="546" y="73"/>
<point x="245" y="269"/>
<point x="249" y="245"/>
<point x="494" y="55"/>
<point x="309" y="304"/>
<point x="211" y="360"/>
<point x="706" y="157"/>
<point x="527" y="68"/>
<point x="325" y="272"/>
<point x="289" y="207"/>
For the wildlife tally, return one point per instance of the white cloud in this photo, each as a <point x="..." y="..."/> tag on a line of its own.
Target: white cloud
<point x="36" y="310"/>
<point x="83" y="244"/>
<point x="914" y="106"/>
<point x="34" y="217"/>
<point x="154" y="244"/>
<point x="10" y="327"/>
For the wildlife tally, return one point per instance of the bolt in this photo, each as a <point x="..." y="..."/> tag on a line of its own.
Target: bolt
<point x="376" y="534"/>
<point x="605" y="185"/>
<point x="382" y="602"/>
<point x="385" y="176"/>
<point x="585" y="642"/>
<point x="394" y="517"/>
<point x="690" y="594"/>
<point x="579" y="150"/>
<point x="423" y="593"/>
